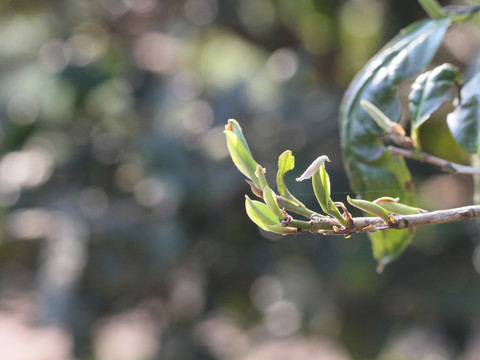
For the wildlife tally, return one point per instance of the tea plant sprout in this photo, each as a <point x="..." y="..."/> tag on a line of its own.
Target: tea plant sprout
<point x="369" y="113"/>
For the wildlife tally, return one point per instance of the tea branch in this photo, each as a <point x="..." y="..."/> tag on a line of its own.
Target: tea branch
<point x="398" y="222"/>
<point x="405" y="146"/>
<point x="445" y="165"/>
<point x="273" y="213"/>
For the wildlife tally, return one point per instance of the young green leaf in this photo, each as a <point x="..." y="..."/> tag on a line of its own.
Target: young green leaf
<point x="240" y="153"/>
<point x="286" y="162"/>
<point x="395" y="130"/>
<point x="321" y="187"/>
<point x="234" y="127"/>
<point x="264" y="218"/>
<point x="429" y="91"/>
<point x="394" y="207"/>
<point x="370" y="208"/>
<point x="370" y="167"/>
<point x="464" y="121"/>
<point x="380" y="118"/>
<point x="271" y="200"/>
<point x="260" y="174"/>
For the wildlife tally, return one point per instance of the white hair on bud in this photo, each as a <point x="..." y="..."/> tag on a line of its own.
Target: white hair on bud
<point x="312" y="169"/>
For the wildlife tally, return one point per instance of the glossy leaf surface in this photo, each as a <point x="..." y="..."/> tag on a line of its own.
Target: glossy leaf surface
<point x="429" y="91"/>
<point x="464" y="121"/>
<point x="370" y="167"/>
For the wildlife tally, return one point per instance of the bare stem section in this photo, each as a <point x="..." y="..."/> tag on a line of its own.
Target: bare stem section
<point x="443" y="164"/>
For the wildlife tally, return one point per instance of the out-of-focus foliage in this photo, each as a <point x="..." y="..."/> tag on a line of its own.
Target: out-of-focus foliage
<point x="123" y="229"/>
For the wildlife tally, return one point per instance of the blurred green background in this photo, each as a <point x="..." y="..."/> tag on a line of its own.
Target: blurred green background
<point x="124" y="235"/>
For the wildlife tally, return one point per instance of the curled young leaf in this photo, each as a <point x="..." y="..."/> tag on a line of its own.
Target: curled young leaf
<point x="312" y="169"/>
<point x="286" y="162"/>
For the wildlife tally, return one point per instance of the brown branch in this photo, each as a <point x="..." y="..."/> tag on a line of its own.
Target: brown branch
<point x="374" y="224"/>
<point x="424" y="157"/>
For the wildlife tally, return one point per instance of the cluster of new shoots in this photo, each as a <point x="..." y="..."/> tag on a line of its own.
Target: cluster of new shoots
<point x="275" y="212"/>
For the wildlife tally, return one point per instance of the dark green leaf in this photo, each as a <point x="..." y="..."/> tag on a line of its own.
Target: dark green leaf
<point x="370" y="167"/>
<point x="464" y="121"/>
<point x="429" y="91"/>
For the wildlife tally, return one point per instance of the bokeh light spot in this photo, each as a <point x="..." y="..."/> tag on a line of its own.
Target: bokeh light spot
<point x="214" y="144"/>
<point x="128" y="175"/>
<point x="85" y="48"/>
<point x="282" y="64"/>
<point x="197" y="117"/>
<point x="53" y="56"/>
<point x="29" y="224"/>
<point x="26" y="168"/>
<point x="282" y="318"/>
<point x="93" y="202"/>
<point x="155" y="52"/>
<point x="149" y="192"/>
<point x="256" y="15"/>
<point x="201" y="12"/>
<point x="23" y="109"/>
<point x="265" y="291"/>
<point x="127" y="336"/>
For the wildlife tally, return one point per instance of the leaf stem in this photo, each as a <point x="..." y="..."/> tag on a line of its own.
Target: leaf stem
<point x="433" y="8"/>
<point x="301" y="210"/>
<point x="442" y="163"/>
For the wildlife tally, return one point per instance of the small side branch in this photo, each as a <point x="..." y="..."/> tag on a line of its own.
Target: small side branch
<point x="444" y="164"/>
<point x="399" y="222"/>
